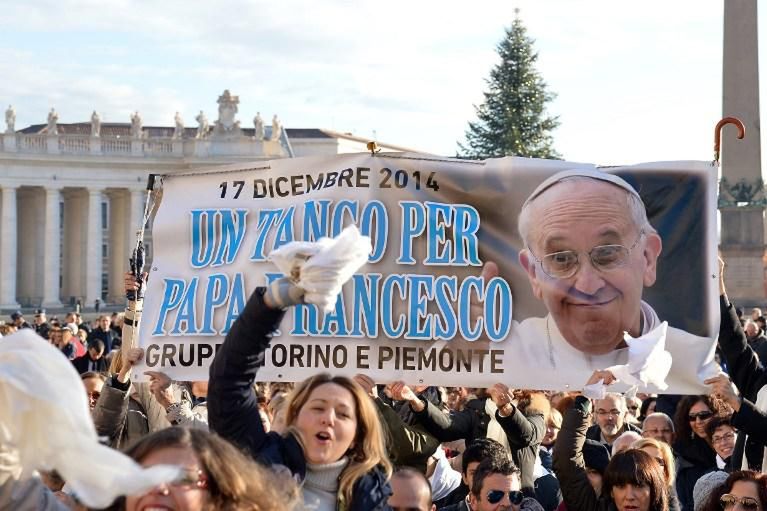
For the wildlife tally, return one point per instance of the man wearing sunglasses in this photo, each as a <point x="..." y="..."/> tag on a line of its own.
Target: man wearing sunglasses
<point x="497" y="487"/>
<point x="589" y="253"/>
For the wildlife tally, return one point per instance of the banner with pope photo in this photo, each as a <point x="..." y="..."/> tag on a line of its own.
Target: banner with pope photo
<point x="452" y="294"/>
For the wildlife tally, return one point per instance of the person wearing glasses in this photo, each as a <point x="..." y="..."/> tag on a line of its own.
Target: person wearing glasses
<point x="589" y="253"/>
<point x="695" y="456"/>
<point x="610" y="420"/>
<point x="744" y="490"/>
<point x="497" y="487"/>
<point x="722" y="436"/>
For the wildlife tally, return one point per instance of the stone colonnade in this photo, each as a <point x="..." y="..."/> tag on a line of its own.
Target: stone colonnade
<point x="60" y="244"/>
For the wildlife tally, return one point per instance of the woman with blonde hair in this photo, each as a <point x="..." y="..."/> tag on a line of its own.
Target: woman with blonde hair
<point x="665" y="458"/>
<point x="333" y="443"/>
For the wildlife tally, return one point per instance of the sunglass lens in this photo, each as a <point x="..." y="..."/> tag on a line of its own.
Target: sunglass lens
<point x="516" y="497"/>
<point x="495" y="496"/>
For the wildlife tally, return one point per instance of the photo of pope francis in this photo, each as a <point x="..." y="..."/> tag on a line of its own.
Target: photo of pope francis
<point x="589" y="252"/>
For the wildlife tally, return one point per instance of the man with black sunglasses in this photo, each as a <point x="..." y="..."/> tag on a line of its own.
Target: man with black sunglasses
<point x="496" y="487"/>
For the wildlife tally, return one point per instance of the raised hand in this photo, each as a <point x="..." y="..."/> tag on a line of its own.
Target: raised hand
<point x="367" y="384"/>
<point x="159" y="386"/>
<point x="722" y="388"/>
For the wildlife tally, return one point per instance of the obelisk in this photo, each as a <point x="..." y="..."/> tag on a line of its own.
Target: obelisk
<point x="741" y="189"/>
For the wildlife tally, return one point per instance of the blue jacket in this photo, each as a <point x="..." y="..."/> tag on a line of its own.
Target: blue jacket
<point x="233" y="410"/>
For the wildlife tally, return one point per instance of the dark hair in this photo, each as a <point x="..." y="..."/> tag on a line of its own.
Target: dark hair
<point x="234" y="481"/>
<point x="489" y="467"/>
<point x="716" y="423"/>
<point x="482" y="449"/>
<point x="712" y="503"/>
<point x="638" y="468"/>
<point x="681" y="420"/>
<point x="98" y="344"/>
<point x="645" y="406"/>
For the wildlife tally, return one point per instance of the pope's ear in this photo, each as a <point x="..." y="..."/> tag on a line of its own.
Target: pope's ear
<point x="652" y="249"/>
<point x="528" y="263"/>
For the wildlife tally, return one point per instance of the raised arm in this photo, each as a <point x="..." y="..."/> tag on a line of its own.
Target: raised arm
<point x="232" y="405"/>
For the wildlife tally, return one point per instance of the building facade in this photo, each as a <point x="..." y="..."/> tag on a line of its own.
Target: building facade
<point x="72" y="195"/>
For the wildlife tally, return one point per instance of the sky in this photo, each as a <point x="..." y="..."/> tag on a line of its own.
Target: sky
<point x="635" y="81"/>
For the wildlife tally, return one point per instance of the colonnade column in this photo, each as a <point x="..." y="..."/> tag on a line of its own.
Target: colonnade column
<point x="52" y="248"/>
<point x="93" y="256"/>
<point x="8" y="248"/>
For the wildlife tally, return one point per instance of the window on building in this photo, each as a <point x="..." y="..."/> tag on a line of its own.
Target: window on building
<point x="104" y="250"/>
<point x="104" y="286"/>
<point x="105" y="215"/>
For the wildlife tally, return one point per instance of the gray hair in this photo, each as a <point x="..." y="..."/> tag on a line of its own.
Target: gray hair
<point x="624" y="441"/>
<point x="659" y="415"/>
<point x="634" y="204"/>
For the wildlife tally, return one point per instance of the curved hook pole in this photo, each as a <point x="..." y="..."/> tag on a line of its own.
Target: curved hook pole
<point x="718" y="133"/>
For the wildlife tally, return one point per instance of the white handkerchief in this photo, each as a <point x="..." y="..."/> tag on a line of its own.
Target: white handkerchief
<point x="648" y="363"/>
<point x="44" y="414"/>
<point x="321" y="268"/>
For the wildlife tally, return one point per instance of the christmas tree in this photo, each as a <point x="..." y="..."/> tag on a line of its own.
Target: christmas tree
<point x="513" y="120"/>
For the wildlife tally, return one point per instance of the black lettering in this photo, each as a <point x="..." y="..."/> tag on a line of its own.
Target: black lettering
<point x="296" y="182"/>
<point x="427" y="359"/>
<point x="338" y="363"/>
<point x="408" y="358"/>
<point x="385" y="354"/>
<point x="463" y="359"/>
<point x="278" y="181"/>
<point x="283" y="354"/>
<point x="362" y="177"/>
<point x="322" y="355"/>
<point x="168" y="352"/>
<point x="496" y="361"/>
<point x="311" y="184"/>
<point x="259" y="188"/>
<point x="330" y="180"/>
<point x="446" y="365"/>
<point x="151" y="356"/>
<point x="181" y="350"/>
<point x="346" y="175"/>
<point x="362" y="357"/>
<point x="296" y="352"/>
<point x="204" y="351"/>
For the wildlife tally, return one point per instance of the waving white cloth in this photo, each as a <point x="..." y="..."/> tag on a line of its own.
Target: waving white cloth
<point x="44" y="414"/>
<point x="321" y="268"/>
<point x="648" y="361"/>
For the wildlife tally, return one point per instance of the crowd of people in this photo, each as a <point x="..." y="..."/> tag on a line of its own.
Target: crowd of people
<point x="332" y="442"/>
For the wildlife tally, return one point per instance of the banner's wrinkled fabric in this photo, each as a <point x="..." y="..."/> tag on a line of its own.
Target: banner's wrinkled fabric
<point x="44" y="414"/>
<point x="428" y="307"/>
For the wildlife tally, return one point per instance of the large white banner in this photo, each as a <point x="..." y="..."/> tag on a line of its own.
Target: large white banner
<point x="420" y="310"/>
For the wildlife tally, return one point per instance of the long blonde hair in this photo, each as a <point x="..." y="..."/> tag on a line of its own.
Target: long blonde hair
<point x="367" y="450"/>
<point x="665" y="452"/>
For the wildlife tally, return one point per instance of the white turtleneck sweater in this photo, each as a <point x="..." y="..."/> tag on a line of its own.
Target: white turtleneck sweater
<point x="320" y="487"/>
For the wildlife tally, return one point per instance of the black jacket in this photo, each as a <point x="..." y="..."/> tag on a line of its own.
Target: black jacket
<point x="233" y="410"/>
<point x="749" y="376"/>
<point x="82" y="363"/>
<point x="524" y="432"/>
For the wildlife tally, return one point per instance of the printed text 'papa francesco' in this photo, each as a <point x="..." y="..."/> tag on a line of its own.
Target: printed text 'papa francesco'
<point x="189" y="306"/>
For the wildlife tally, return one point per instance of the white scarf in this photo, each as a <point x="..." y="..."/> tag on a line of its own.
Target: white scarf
<point x="494" y="429"/>
<point x="761" y="405"/>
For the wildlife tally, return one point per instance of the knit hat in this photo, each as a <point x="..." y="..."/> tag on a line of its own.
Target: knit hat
<point x="596" y="456"/>
<point x="705" y="486"/>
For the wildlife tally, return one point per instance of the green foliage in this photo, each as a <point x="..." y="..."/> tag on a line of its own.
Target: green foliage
<point x="513" y="121"/>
